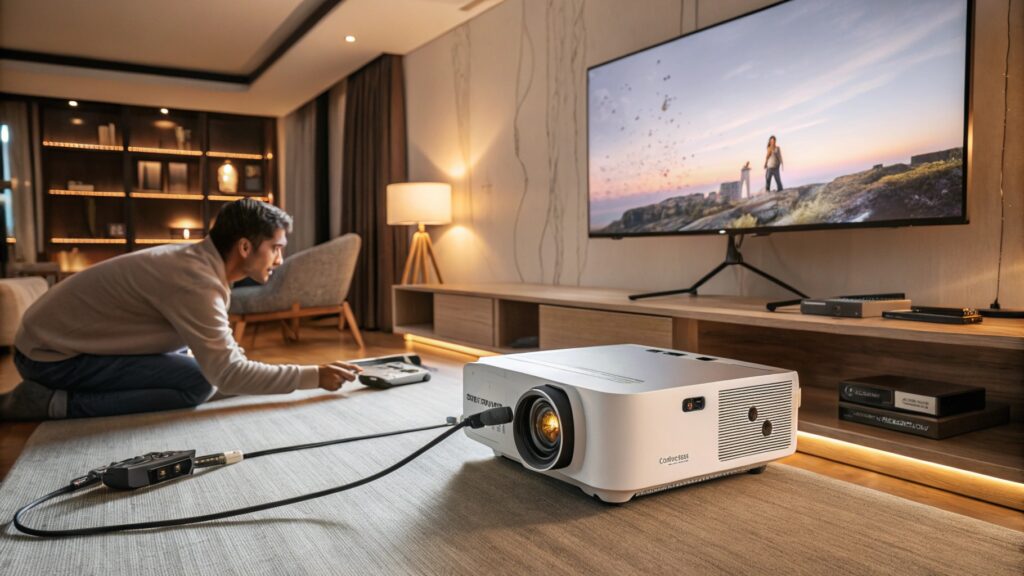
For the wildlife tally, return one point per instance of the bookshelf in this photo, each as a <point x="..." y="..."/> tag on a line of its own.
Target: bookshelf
<point x="119" y="178"/>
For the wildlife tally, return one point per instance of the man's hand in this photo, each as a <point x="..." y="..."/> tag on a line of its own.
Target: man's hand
<point x="333" y="375"/>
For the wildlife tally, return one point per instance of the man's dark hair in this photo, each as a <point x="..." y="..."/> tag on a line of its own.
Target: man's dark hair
<point x="247" y="218"/>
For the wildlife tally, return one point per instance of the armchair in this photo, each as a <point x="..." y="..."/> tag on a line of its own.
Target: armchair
<point x="314" y="282"/>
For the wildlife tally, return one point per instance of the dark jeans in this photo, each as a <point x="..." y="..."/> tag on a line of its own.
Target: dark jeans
<point x="768" y="179"/>
<point x="112" y="385"/>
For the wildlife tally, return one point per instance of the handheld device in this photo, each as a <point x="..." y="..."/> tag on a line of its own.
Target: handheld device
<point x="390" y="371"/>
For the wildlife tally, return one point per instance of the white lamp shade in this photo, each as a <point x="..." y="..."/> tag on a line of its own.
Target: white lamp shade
<point x="419" y="203"/>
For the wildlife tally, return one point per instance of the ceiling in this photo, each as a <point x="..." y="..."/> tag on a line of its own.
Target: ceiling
<point x="227" y="40"/>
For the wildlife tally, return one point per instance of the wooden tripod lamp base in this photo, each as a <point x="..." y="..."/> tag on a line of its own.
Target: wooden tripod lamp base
<point x="419" y="203"/>
<point x="416" y="271"/>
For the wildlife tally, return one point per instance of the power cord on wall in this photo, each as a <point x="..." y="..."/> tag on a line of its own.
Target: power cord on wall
<point x="995" y="310"/>
<point x="157" y="467"/>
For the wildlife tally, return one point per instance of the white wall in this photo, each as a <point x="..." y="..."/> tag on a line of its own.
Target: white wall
<point x="517" y="73"/>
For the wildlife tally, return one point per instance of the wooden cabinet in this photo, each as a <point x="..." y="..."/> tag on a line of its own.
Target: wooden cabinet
<point x="464" y="318"/>
<point x="564" y="327"/>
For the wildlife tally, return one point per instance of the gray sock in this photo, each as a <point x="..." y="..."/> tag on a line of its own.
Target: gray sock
<point x="29" y="401"/>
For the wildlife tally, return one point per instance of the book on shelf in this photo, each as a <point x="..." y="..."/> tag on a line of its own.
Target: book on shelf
<point x="933" y="427"/>
<point x="917" y="395"/>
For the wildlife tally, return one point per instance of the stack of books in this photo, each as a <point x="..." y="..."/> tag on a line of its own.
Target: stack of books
<point x="915" y="406"/>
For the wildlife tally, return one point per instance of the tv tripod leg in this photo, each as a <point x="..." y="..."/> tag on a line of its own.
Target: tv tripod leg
<point x="691" y="289"/>
<point x="773" y="279"/>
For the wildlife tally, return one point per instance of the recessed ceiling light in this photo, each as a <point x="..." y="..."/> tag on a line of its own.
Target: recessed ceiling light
<point x="165" y="111"/>
<point x="77" y="121"/>
<point x="73" y="103"/>
<point x="350" y="38"/>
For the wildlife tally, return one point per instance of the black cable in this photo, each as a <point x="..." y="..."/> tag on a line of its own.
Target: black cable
<point x="486" y="418"/>
<point x="257" y="454"/>
<point x="1002" y="160"/>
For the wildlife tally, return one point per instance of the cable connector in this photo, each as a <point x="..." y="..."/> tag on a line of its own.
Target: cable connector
<point x="491" y="417"/>
<point x="220" y="459"/>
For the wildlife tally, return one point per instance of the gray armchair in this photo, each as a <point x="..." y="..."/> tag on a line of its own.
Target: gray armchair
<point x="314" y="282"/>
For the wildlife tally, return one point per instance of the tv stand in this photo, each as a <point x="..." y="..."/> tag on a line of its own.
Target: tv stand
<point x="732" y="258"/>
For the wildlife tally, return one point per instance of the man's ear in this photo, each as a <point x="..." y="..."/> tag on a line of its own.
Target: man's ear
<point x="244" y="247"/>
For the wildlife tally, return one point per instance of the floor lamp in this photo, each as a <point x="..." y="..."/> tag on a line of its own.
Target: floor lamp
<point x="420" y="203"/>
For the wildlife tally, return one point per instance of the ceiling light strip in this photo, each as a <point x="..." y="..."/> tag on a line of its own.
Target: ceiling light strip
<point x="80" y="146"/>
<point x="237" y="155"/>
<point x="93" y="193"/>
<point x="88" y="241"/>
<point x="150" y="241"/>
<point x="233" y="198"/>
<point x="166" y="196"/>
<point x="173" y="151"/>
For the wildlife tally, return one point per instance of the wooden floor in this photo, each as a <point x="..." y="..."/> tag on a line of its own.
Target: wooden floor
<point x="321" y="342"/>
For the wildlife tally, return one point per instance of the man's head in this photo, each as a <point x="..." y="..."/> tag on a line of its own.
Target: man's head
<point x="250" y="236"/>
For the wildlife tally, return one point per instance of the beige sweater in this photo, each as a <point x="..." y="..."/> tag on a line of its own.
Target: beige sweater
<point x="152" y="302"/>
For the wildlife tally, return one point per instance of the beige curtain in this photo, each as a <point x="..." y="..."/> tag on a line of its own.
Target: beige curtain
<point x="299" y="176"/>
<point x="336" y="136"/>
<point x="23" y="197"/>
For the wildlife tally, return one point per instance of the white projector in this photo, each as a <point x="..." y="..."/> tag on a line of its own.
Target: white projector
<point x="626" y="420"/>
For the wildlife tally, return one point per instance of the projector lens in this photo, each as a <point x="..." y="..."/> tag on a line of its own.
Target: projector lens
<point x="542" y="428"/>
<point x="546" y="428"/>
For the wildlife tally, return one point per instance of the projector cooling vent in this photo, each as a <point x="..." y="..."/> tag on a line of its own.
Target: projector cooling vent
<point x="754" y="420"/>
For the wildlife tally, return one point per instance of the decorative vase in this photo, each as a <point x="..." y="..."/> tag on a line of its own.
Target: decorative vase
<point x="227" y="178"/>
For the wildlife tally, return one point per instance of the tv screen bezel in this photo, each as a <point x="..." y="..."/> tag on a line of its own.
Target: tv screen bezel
<point x="765" y="230"/>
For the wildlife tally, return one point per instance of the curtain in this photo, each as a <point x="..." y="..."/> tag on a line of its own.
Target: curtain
<point x="22" y="201"/>
<point x="322" y="183"/>
<point x="335" y="136"/>
<point x="300" y="176"/>
<point x="373" y="156"/>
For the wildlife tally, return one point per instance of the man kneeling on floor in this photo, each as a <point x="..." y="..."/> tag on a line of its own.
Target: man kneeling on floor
<point x="111" y="339"/>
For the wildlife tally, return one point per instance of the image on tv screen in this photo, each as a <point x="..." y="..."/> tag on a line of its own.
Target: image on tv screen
<point x="811" y="113"/>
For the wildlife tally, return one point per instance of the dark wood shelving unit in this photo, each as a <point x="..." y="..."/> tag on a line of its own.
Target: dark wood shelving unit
<point x="155" y="178"/>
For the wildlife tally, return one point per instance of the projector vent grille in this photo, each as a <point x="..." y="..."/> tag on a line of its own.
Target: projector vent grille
<point x="738" y="436"/>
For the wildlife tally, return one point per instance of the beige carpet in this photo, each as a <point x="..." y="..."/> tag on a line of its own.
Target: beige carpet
<point x="455" y="510"/>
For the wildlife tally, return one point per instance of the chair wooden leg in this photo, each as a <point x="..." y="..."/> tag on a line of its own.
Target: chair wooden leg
<point x="295" y="320"/>
<point x="341" y="321"/>
<point x="255" y="331"/>
<point x="346" y="311"/>
<point x="239" y="330"/>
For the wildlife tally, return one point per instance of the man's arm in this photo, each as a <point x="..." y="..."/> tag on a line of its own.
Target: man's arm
<point x="200" y="317"/>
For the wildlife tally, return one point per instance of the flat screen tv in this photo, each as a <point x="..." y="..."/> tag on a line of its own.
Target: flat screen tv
<point x="807" y="114"/>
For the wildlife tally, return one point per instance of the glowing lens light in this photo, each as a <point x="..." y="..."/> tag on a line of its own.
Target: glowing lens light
<point x="73" y="103"/>
<point x="549" y="426"/>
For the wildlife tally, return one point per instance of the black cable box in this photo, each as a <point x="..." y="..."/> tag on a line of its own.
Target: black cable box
<point x="913" y="395"/>
<point x="851" y="307"/>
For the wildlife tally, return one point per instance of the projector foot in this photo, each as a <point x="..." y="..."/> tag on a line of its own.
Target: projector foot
<point x="609" y="496"/>
<point x="757" y="470"/>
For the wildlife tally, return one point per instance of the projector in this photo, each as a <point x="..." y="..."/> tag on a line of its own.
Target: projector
<point x="627" y="420"/>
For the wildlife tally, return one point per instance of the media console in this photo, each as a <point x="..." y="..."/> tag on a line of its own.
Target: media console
<point x="823" y="350"/>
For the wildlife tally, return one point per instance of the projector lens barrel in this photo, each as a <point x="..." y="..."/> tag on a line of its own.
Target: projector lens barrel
<point x="542" y="428"/>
